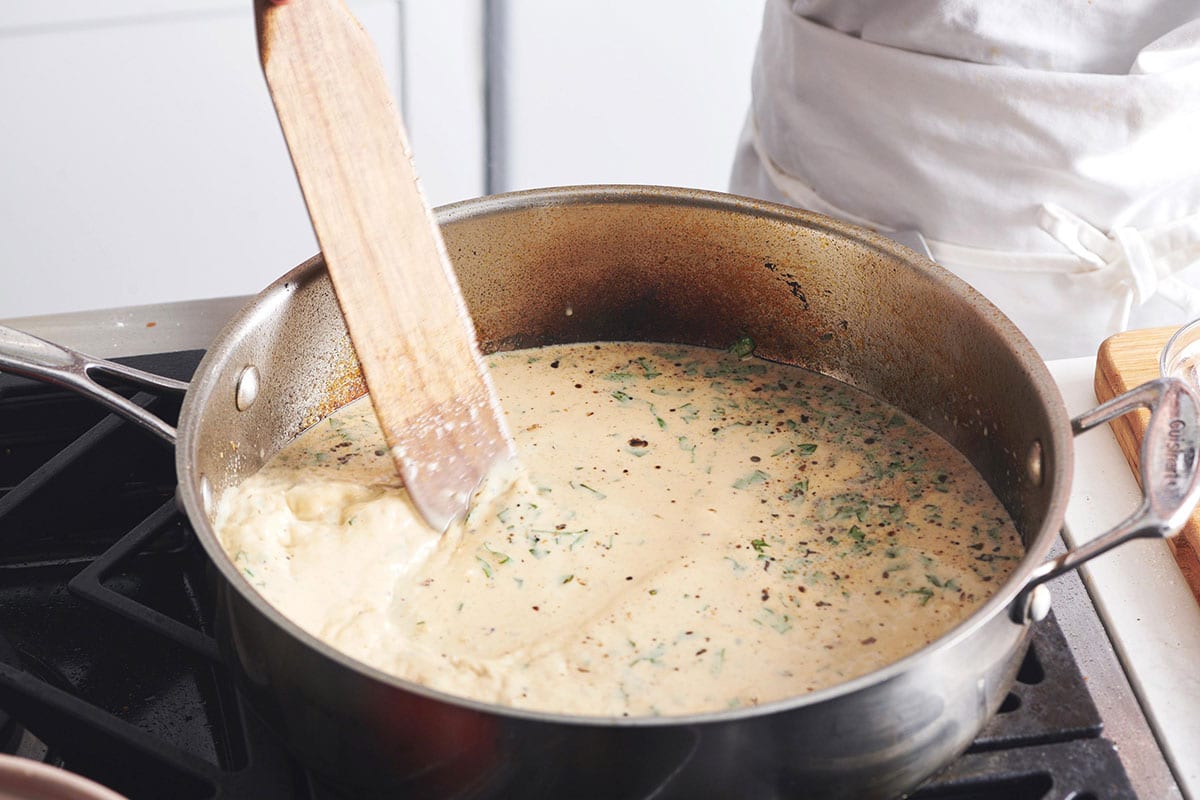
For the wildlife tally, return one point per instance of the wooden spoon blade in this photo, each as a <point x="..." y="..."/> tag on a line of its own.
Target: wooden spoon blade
<point x="397" y="290"/>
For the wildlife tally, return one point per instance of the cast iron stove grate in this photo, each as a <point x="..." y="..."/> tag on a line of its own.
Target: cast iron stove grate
<point x="108" y="667"/>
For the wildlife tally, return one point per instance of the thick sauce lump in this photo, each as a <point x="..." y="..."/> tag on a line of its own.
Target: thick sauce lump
<point x="689" y="531"/>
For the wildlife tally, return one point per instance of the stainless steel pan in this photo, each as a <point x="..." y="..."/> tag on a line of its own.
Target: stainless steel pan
<point x="597" y="263"/>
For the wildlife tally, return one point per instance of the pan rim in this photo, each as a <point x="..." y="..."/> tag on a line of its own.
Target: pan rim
<point x="1037" y="373"/>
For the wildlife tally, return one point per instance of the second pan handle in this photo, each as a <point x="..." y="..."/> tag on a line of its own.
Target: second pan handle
<point x="1170" y="473"/>
<point x="27" y="355"/>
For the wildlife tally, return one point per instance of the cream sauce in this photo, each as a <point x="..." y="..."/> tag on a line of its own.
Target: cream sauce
<point x="690" y="531"/>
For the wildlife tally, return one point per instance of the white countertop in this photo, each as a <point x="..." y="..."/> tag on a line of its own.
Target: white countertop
<point x="134" y="330"/>
<point x="1147" y="607"/>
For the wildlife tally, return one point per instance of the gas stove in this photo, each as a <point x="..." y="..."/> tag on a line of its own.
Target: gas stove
<point x="108" y="667"/>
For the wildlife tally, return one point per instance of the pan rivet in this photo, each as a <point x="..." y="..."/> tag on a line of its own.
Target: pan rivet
<point x="1039" y="603"/>
<point x="247" y="388"/>
<point x="1033" y="462"/>
<point x="206" y="495"/>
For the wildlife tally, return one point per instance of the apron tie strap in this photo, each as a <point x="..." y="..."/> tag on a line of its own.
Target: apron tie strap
<point x="1083" y="239"/>
<point x="1136" y="264"/>
<point x="1141" y="260"/>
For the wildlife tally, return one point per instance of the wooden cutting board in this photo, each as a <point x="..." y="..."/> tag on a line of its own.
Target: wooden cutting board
<point x="1127" y="360"/>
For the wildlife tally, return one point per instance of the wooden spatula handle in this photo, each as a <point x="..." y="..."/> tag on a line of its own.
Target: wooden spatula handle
<point x="389" y="266"/>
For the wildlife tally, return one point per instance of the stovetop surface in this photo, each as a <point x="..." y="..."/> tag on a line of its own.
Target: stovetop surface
<point x="108" y="668"/>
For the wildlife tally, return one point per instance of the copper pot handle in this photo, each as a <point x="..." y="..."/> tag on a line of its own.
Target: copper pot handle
<point x="31" y="357"/>
<point x="1170" y="478"/>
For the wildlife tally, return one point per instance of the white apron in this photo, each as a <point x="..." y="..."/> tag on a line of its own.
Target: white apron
<point x="1048" y="150"/>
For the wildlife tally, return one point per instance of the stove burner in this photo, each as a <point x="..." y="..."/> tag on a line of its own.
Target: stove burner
<point x="111" y="662"/>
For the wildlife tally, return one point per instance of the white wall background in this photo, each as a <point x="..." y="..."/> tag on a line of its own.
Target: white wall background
<point x="627" y="91"/>
<point x="140" y="160"/>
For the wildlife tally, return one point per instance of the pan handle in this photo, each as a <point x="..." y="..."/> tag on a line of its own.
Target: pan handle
<point x="31" y="357"/>
<point x="1170" y="474"/>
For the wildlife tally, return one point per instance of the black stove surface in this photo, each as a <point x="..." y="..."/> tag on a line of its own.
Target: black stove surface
<point x="108" y="667"/>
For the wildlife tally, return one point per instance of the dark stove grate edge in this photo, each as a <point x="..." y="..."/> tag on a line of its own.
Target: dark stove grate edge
<point x="89" y="585"/>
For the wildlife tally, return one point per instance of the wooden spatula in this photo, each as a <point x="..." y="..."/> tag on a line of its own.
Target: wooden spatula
<point x="390" y="271"/>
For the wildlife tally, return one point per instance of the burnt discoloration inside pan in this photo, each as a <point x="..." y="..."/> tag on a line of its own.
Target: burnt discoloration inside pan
<point x="629" y="265"/>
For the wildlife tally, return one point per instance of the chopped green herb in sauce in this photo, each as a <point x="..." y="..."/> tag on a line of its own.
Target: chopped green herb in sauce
<point x="691" y="530"/>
